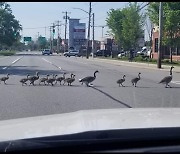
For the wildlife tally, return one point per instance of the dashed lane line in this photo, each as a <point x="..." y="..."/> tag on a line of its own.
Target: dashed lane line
<point x="52" y="63"/>
<point x="12" y="63"/>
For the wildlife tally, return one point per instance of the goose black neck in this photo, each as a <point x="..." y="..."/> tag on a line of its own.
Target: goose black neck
<point x="139" y="76"/>
<point x="95" y="74"/>
<point x="171" y="71"/>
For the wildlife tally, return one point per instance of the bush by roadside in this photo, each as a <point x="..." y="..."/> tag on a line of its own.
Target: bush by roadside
<point x="7" y="53"/>
<point x="142" y="59"/>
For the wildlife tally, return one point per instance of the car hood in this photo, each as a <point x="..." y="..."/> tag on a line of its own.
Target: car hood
<point x="88" y="120"/>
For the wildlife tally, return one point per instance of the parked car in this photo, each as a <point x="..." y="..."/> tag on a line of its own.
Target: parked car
<point x="121" y="54"/>
<point x="46" y="52"/>
<point x="72" y="53"/>
<point x="105" y="53"/>
<point x="144" y="52"/>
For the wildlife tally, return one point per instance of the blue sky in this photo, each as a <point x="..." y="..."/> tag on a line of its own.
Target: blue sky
<point x="43" y="14"/>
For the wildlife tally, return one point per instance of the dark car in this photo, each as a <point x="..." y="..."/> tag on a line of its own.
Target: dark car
<point x="46" y="52"/>
<point x="72" y="53"/>
<point x="105" y="53"/>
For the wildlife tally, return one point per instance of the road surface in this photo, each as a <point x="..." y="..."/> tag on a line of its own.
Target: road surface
<point x="17" y="101"/>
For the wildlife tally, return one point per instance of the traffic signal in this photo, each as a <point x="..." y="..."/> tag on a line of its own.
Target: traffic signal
<point x="53" y="31"/>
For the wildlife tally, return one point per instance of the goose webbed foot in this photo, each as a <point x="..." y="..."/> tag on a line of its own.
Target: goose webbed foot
<point x="90" y="85"/>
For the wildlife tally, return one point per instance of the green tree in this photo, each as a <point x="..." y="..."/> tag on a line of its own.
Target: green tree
<point x="126" y="25"/>
<point x="132" y="26"/>
<point x="171" y="22"/>
<point x="114" y="22"/>
<point x="9" y="26"/>
<point x="42" y="42"/>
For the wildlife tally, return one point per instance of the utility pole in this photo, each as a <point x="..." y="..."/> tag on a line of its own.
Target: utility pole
<point x="50" y="39"/>
<point x="58" y="41"/>
<point x="38" y="40"/>
<point x="45" y="31"/>
<point x="88" y="37"/>
<point x="93" y="38"/>
<point x="53" y="38"/>
<point x="160" y="35"/>
<point x="102" y="31"/>
<point x="65" y="17"/>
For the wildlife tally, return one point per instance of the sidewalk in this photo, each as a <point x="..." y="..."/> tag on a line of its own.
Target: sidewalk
<point x="136" y="64"/>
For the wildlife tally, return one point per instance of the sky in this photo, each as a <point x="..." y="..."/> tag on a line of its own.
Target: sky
<point x="35" y="16"/>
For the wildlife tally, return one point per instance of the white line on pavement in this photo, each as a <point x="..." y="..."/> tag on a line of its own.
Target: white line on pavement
<point x="176" y="82"/>
<point x="12" y="63"/>
<point x="4" y="68"/>
<point x="47" y="60"/>
<point x="51" y="63"/>
<point x="16" y="60"/>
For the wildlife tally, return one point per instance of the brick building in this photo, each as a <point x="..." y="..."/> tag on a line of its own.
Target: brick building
<point x="165" y="49"/>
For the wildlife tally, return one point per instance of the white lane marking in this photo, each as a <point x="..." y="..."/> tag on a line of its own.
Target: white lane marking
<point x="12" y="63"/>
<point x="47" y="60"/>
<point x="176" y="82"/>
<point x="4" y="68"/>
<point x="51" y="63"/>
<point x="16" y="60"/>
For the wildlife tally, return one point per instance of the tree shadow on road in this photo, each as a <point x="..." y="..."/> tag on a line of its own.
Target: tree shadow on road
<point x="31" y="70"/>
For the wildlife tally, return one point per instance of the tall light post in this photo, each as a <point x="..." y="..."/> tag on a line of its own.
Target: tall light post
<point x="89" y="21"/>
<point x="102" y="31"/>
<point x="160" y="35"/>
<point x="65" y="17"/>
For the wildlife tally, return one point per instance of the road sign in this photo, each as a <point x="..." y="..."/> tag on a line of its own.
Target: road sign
<point x="27" y="38"/>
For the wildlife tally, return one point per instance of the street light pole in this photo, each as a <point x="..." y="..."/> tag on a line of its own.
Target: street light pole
<point x="93" y="38"/>
<point x="65" y="17"/>
<point x="102" y="31"/>
<point x="88" y="37"/>
<point x="160" y="35"/>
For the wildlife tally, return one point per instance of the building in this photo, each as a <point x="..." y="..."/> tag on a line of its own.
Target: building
<point x="77" y="34"/>
<point x="165" y="49"/>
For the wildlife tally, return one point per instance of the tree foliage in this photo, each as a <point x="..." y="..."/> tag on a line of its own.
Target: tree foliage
<point x="126" y="25"/>
<point x="9" y="26"/>
<point x="171" y="21"/>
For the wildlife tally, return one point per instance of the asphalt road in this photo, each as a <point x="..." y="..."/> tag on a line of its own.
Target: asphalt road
<point x="17" y="101"/>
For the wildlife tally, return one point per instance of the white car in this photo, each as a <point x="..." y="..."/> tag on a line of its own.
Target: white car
<point x="120" y="55"/>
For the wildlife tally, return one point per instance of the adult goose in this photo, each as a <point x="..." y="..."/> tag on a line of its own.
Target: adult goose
<point x="166" y="80"/>
<point x="34" y="78"/>
<point x="87" y="80"/>
<point x="44" y="79"/>
<point x="120" y="81"/>
<point x="69" y="80"/>
<point x="4" y="78"/>
<point x="61" y="78"/>
<point x="24" y="80"/>
<point x="51" y="80"/>
<point x="135" y="80"/>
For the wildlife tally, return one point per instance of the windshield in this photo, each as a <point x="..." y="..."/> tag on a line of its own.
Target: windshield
<point x="58" y="83"/>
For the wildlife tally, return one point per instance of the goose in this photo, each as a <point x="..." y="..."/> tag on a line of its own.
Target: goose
<point x="61" y="78"/>
<point x="24" y="80"/>
<point x="135" y="80"/>
<point x="166" y="80"/>
<point x="87" y="80"/>
<point x="34" y="78"/>
<point x="120" y="81"/>
<point x="43" y="79"/>
<point x="4" y="78"/>
<point x="51" y="80"/>
<point x="69" y="80"/>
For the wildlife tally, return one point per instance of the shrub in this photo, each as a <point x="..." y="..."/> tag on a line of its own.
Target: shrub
<point x="7" y="53"/>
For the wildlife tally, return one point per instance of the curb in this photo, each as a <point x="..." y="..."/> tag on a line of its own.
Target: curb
<point x="136" y="64"/>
